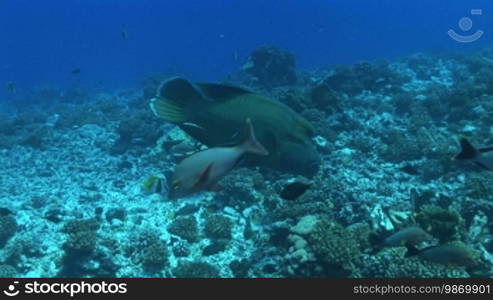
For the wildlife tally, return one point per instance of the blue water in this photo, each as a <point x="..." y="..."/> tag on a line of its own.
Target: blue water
<point x="42" y="41"/>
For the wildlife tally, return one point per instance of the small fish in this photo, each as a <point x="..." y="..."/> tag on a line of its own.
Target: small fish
<point x="202" y="170"/>
<point x="410" y="169"/>
<point x="295" y="189"/>
<point x="412" y="235"/>
<point x="10" y="86"/>
<point x="482" y="157"/>
<point x="155" y="184"/>
<point x="444" y="254"/>
<point x="124" y="34"/>
<point x="75" y="71"/>
<point x="413" y="199"/>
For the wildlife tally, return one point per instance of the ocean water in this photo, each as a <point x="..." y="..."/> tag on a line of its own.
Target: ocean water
<point x="101" y="102"/>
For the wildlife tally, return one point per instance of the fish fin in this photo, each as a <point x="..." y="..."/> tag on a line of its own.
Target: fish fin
<point x="251" y="144"/>
<point x="159" y="186"/>
<point x="239" y="161"/>
<point x="234" y="140"/>
<point x="194" y="128"/>
<point x="411" y="250"/>
<point x="481" y="165"/>
<point x="487" y="149"/>
<point x="468" y="151"/>
<point x="204" y="177"/>
<point x="294" y="190"/>
<point x="177" y="100"/>
<point x="308" y="127"/>
<point x="221" y="91"/>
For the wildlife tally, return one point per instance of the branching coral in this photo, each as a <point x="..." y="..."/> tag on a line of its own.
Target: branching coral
<point x="7" y="271"/>
<point x="335" y="246"/>
<point x="195" y="269"/>
<point x="271" y="66"/>
<point x="443" y="224"/>
<point x="150" y="251"/>
<point x="218" y="227"/>
<point x="186" y="228"/>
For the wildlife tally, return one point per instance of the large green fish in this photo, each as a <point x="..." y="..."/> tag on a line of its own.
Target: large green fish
<point x="215" y="115"/>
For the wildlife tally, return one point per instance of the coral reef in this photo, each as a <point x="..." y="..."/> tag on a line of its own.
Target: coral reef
<point x="186" y="228"/>
<point x="8" y="228"/>
<point x="363" y="76"/>
<point x="392" y="263"/>
<point x="271" y="66"/>
<point x="443" y="224"/>
<point x="136" y="131"/>
<point x="334" y="245"/>
<point x="217" y="226"/>
<point x="79" y="246"/>
<point x="75" y="201"/>
<point x="149" y="251"/>
<point x="195" y="269"/>
<point x="7" y="271"/>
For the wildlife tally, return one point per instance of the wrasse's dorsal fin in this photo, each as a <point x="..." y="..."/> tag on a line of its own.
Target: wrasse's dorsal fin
<point x="220" y="92"/>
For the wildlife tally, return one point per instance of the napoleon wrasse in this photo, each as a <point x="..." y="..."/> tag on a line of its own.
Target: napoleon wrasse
<point x="215" y="114"/>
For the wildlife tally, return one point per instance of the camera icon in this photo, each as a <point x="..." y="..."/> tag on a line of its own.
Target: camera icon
<point x="11" y="291"/>
<point x="465" y="24"/>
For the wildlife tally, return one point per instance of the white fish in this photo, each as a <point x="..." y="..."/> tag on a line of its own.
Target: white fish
<point x="202" y="170"/>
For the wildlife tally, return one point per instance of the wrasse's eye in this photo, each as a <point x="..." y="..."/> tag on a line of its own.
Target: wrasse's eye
<point x="175" y="184"/>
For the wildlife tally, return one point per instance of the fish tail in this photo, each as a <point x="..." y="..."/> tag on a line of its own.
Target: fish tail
<point x="467" y="151"/>
<point x="251" y="144"/>
<point x="176" y="100"/>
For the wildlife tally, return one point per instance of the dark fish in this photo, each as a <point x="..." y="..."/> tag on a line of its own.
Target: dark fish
<point x="10" y="86"/>
<point x="5" y="211"/>
<point x="75" y="71"/>
<point x="413" y="198"/>
<point x="412" y="235"/>
<point x="214" y="114"/>
<point x="124" y="34"/>
<point x="410" y="169"/>
<point x="294" y="189"/>
<point x="482" y="157"/>
<point x="444" y="254"/>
